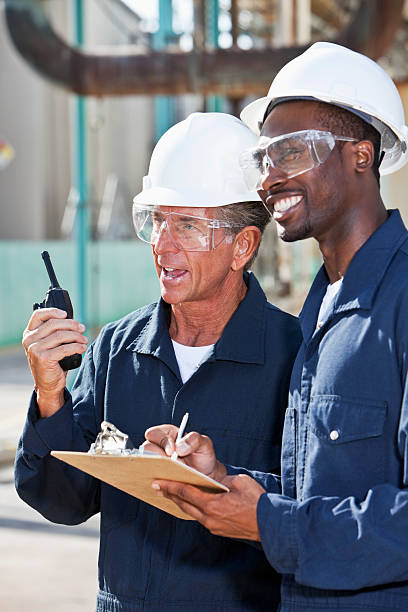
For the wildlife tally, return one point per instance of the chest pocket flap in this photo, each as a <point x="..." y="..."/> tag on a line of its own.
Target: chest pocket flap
<point x="338" y="420"/>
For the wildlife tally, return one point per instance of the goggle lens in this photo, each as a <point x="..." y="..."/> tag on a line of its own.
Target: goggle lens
<point x="187" y="233"/>
<point x="292" y="154"/>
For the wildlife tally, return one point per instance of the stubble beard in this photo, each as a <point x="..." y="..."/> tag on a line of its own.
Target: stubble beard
<point x="300" y="233"/>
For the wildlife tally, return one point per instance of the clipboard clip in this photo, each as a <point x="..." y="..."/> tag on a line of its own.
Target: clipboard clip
<point x="111" y="441"/>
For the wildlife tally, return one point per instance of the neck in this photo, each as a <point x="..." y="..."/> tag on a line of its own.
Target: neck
<point x="201" y="323"/>
<point x="338" y="248"/>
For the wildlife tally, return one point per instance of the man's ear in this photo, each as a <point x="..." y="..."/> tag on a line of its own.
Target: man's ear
<point x="364" y="155"/>
<point x="245" y="245"/>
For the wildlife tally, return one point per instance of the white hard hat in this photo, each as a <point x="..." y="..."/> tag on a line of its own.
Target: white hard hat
<point x="336" y="75"/>
<point x="195" y="164"/>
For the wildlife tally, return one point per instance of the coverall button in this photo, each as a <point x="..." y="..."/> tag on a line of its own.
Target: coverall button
<point x="334" y="434"/>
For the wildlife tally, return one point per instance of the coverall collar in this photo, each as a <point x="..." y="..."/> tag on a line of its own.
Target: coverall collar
<point x="363" y="276"/>
<point x="242" y="339"/>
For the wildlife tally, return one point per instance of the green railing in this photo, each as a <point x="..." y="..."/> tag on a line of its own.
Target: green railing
<point x="121" y="277"/>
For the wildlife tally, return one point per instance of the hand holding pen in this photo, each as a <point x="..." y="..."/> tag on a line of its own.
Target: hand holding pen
<point x="196" y="450"/>
<point x="180" y="434"/>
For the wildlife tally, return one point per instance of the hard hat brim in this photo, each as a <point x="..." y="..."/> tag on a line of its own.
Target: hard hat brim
<point x="253" y="114"/>
<point x="160" y="196"/>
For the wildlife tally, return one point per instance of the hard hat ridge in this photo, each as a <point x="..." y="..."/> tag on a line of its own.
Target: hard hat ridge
<point x="196" y="164"/>
<point x="336" y="75"/>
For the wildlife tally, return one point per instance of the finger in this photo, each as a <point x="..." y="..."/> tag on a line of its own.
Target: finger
<point x="187" y="497"/>
<point x="151" y="448"/>
<point x="194" y="512"/>
<point x="43" y="314"/>
<point x="60" y="337"/>
<point x="163" y="436"/>
<point x="229" y="481"/>
<point x="51" y="325"/>
<point x="185" y="492"/>
<point x="243" y="483"/>
<point x="64" y="350"/>
<point x="194" y="442"/>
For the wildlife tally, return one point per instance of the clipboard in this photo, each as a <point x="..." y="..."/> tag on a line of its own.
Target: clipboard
<point x="134" y="474"/>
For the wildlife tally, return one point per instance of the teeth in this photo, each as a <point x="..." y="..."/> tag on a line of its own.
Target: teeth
<point x="169" y="269"/>
<point x="286" y="203"/>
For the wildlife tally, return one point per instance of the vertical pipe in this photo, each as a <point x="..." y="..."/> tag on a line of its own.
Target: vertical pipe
<point x="235" y="103"/>
<point x="284" y="34"/>
<point x="212" y="103"/>
<point x="303" y="22"/>
<point x="81" y="227"/>
<point x="212" y="30"/>
<point x="164" y="105"/>
<point x="234" y="23"/>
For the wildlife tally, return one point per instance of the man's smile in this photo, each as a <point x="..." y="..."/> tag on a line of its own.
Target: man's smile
<point x="280" y="207"/>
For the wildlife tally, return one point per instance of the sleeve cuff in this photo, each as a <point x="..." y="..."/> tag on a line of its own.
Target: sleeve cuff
<point x="270" y="482"/>
<point x="42" y="435"/>
<point x="276" y="516"/>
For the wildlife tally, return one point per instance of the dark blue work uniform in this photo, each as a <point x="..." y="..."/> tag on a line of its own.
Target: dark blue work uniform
<point x="148" y="559"/>
<point x="339" y="532"/>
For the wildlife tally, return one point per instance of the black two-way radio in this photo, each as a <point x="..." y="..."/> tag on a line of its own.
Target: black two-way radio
<point x="58" y="298"/>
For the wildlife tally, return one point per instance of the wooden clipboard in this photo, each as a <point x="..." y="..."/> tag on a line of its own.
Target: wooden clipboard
<point x="134" y="474"/>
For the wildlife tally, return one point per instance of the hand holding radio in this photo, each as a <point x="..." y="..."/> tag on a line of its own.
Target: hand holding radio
<point x="54" y="343"/>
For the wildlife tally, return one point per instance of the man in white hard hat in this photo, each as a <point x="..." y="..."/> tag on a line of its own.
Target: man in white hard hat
<point x="336" y="524"/>
<point x="212" y="346"/>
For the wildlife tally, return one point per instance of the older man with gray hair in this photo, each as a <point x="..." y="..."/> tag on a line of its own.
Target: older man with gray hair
<point x="211" y="346"/>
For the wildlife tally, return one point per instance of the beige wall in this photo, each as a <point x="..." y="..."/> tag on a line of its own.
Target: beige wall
<point x="35" y="183"/>
<point x="36" y="118"/>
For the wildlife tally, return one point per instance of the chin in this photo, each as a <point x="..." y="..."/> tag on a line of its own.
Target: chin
<point x="295" y="234"/>
<point x="173" y="298"/>
<point x="170" y="299"/>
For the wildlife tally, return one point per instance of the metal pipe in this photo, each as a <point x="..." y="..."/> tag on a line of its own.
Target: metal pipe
<point x="232" y="73"/>
<point x="213" y="103"/>
<point x="164" y="105"/>
<point x="81" y="225"/>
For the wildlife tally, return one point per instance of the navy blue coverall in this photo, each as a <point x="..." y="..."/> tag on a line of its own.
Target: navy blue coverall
<point x="148" y="559"/>
<point x="338" y="527"/>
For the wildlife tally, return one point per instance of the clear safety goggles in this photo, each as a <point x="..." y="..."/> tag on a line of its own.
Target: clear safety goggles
<point x="292" y="154"/>
<point x="186" y="232"/>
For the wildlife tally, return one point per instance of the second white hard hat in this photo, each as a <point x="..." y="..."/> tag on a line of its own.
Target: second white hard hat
<point x="195" y="164"/>
<point x="334" y="74"/>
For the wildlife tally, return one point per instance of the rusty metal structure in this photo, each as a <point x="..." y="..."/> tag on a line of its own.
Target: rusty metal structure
<point x="279" y="30"/>
<point x="232" y="72"/>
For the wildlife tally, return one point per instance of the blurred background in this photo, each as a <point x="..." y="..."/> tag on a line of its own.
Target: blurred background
<point x="86" y="89"/>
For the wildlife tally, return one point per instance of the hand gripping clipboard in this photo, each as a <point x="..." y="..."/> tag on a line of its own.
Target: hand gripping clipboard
<point x="134" y="472"/>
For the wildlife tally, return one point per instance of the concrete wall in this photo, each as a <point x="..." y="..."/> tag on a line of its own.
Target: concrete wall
<point x="36" y="118"/>
<point x="121" y="277"/>
<point x="33" y="188"/>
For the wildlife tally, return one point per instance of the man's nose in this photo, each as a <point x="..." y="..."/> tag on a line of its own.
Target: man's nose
<point x="163" y="242"/>
<point x="272" y="178"/>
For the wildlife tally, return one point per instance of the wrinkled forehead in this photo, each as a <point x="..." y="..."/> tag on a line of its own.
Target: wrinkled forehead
<point x="291" y="116"/>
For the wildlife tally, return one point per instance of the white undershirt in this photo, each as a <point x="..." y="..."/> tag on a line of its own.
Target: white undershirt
<point x="331" y="292"/>
<point x="189" y="358"/>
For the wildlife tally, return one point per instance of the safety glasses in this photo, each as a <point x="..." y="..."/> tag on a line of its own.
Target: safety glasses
<point x="292" y="154"/>
<point x="186" y="232"/>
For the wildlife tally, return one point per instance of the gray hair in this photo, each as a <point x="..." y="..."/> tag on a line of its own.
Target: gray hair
<point x="241" y="215"/>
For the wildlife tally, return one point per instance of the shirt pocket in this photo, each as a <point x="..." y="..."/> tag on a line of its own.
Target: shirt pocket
<point x="345" y="446"/>
<point x="338" y="420"/>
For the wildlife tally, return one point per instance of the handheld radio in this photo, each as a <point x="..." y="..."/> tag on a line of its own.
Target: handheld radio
<point x="58" y="298"/>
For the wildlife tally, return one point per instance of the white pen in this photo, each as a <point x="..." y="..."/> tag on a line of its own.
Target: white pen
<point x="180" y="433"/>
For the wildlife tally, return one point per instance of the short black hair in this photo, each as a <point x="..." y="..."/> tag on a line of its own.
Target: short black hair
<point x="343" y="122"/>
